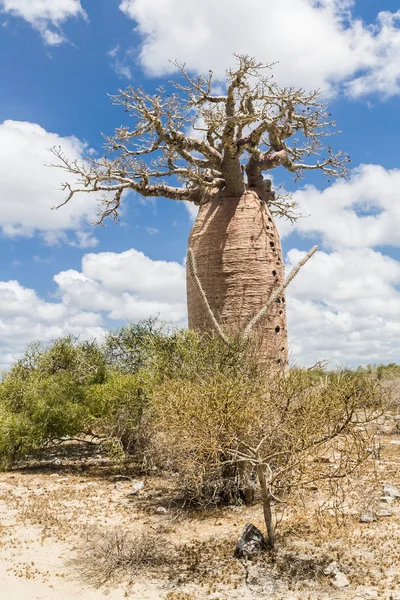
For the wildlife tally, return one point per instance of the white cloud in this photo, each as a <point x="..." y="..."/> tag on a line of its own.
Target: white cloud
<point x="361" y="212"/>
<point x="317" y="43"/>
<point x="110" y="287"/>
<point x="24" y="318"/>
<point x="46" y="16"/>
<point x="344" y="306"/>
<point x="29" y="189"/>
<point x="192" y="209"/>
<point x="122" y="61"/>
<point x="128" y="285"/>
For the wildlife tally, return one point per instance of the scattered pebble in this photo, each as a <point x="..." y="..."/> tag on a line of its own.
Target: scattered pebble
<point x="368" y="516"/>
<point x="340" y="580"/>
<point x="384" y="512"/>
<point x="366" y="592"/>
<point x="161" y="510"/>
<point x="137" y="486"/>
<point x="391" y="491"/>
<point x="387" y="499"/>
<point x="332" y="569"/>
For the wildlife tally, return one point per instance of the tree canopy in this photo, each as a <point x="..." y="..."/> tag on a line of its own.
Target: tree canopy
<point x="191" y="140"/>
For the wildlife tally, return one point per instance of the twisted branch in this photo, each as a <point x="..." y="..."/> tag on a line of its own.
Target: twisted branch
<point x="223" y="142"/>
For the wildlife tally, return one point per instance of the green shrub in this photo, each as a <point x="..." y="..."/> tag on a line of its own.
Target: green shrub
<point x="131" y="347"/>
<point x="38" y="410"/>
<point x="43" y="399"/>
<point x="117" y="409"/>
<point x="84" y="361"/>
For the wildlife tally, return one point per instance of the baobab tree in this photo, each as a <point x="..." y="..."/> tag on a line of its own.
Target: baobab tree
<point x="191" y="143"/>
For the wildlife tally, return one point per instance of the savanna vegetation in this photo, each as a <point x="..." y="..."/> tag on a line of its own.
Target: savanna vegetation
<point x="197" y="407"/>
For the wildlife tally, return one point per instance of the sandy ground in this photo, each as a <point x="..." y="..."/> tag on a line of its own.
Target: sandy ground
<point x="47" y="516"/>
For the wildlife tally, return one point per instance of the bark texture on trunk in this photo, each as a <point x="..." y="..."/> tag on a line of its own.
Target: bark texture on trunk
<point x="239" y="262"/>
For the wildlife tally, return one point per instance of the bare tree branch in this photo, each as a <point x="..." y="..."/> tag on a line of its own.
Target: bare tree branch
<point x="210" y="141"/>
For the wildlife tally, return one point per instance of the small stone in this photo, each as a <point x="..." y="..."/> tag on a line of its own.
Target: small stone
<point x="391" y="491"/>
<point x="340" y="580"/>
<point x="251" y="542"/>
<point x="366" y="591"/>
<point x="331" y="569"/>
<point x="137" y="486"/>
<point x="368" y="516"/>
<point x="387" y="499"/>
<point x="395" y="442"/>
<point x="384" y="512"/>
<point x="161" y="510"/>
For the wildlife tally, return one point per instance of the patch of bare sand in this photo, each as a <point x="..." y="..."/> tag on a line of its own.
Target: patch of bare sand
<point x="46" y="520"/>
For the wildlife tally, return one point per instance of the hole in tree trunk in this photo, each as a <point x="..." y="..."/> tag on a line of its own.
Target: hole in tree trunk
<point x="277" y="329"/>
<point x="274" y="273"/>
<point x="272" y="244"/>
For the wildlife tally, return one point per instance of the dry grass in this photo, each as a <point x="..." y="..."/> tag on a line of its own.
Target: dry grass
<point x="108" y="554"/>
<point x="193" y="551"/>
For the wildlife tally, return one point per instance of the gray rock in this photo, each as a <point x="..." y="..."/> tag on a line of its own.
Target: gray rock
<point x="368" y="516"/>
<point x="251" y="542"/>
<point x="340" y="580"/>
<point x="391" y="491"/>
<point x="161" y="510"/>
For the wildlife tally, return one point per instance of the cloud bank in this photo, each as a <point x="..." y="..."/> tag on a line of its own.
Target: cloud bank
<point x="29" y="189"/>
<point x="46" y="16"/>
<point x="319" y="44"/>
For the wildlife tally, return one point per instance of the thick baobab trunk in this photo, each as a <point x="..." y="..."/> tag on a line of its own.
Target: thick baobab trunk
<point x="238" y="256"/>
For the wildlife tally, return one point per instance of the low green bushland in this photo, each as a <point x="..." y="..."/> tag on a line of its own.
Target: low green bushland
<point x="203" y="409"/>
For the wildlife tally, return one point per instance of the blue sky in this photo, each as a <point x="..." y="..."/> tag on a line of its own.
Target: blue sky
<point x="60" y="60"/>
